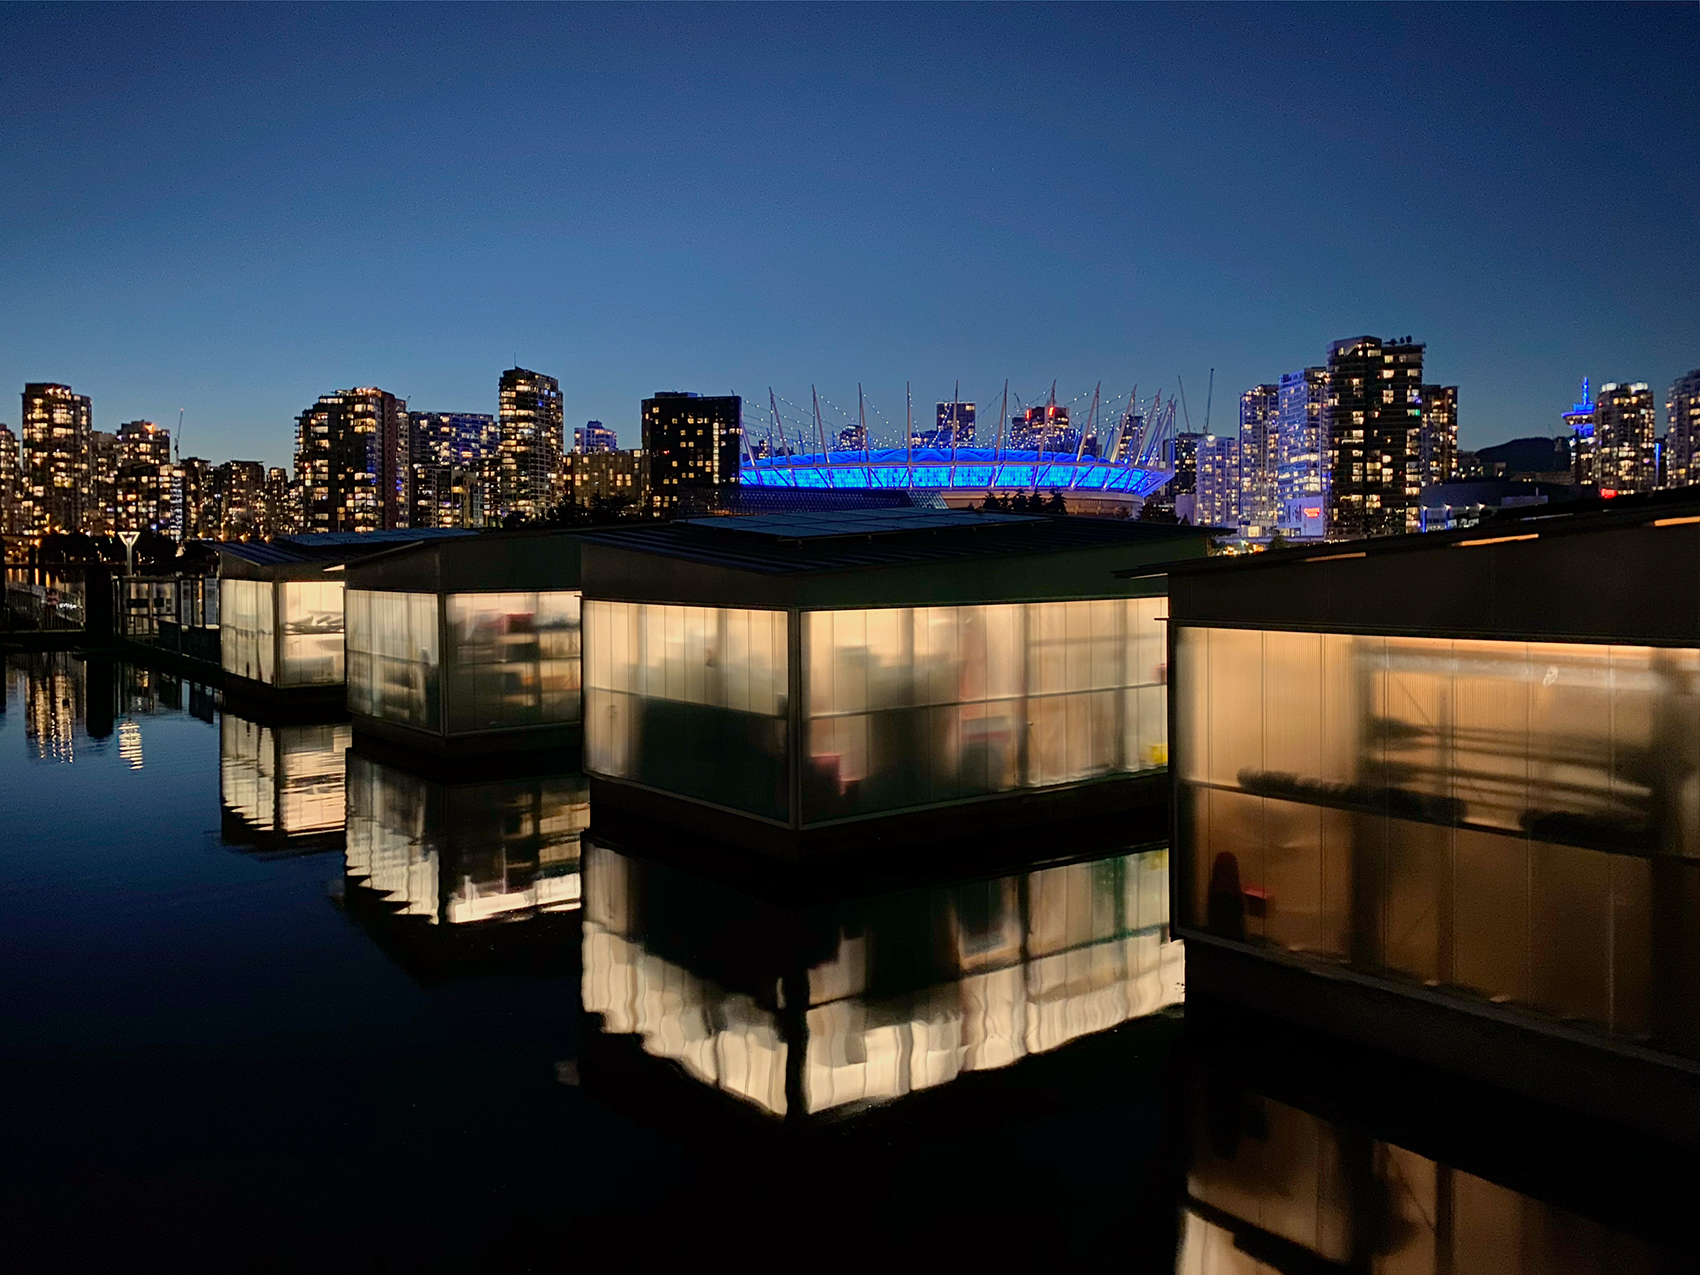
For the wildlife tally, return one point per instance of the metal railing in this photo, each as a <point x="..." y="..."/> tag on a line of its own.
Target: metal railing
<point x="50" y="598"/>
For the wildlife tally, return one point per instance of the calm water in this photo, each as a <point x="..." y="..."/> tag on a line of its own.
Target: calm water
<point x="270" y="1003"/>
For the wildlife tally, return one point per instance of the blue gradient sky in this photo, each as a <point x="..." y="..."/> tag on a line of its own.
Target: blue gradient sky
<point x="233" y="210"/>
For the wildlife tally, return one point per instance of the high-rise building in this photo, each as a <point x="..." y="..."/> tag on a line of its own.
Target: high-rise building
<point x="606" y="475"/>
<point x="239" y="493"/>
<point x="194" y="506"/>
<point x="143" y="442"/>
<point x="1218" y="481"/>
<point x="1043" y="429"/>
<point x="1625" y="428"/>
<point x="953" y="425"/>
<point x="57" y="436"/>
<point x="11" y="479"/>
<point x="100" y="512"/>
<point x="352" y="461"/>
<point x="1682" y="431"/>
<point x="1579" y="426"/>
<point x="1129" y="436"/>
<point x="1374" y="417"/>
<point x="529" y="451"/>
<point x="1438" y="444"/>
<point x="454" y="468"/>
<point x="594" y="436"/>
<point x="691" y="442"/>
<point x="1182" y="489"/>
<point x="144" y="497"/>
<point x="1302" y="468"/>
<point x="282" y="505"/>
<point x="1260" y="458"/>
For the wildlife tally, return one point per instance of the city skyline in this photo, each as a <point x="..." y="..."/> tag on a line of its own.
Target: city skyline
<point x="207" y="294"/>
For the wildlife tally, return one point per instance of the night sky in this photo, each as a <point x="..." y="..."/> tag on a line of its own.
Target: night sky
<point x="234" y="210"/>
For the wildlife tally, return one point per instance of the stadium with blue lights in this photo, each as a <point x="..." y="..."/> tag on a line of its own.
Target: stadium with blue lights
<point x="964" y="475"/>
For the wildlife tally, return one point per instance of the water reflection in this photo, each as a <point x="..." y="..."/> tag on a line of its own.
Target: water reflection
<point x="830" y="1008"/>
<point x="1273" y="1187"/>
<point x="281" y="784"/>
<point x="482" y="849"/>
<point x="73" y="704"/>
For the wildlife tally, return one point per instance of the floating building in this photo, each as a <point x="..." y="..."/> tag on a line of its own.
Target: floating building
<point x="467" y="644"/>
<point x="281" y="609"/>
<point x="780" y="677"/>
<point x="1433" y="794"/>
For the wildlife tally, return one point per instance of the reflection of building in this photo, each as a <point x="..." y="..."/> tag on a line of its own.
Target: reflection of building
<point x="468" y="643"/>
<point x="57" y="433"/>
<point x="54" y="706"/>
<point x="791" y="672"/>
<point x="692" y="443"/>
<point x="71" y="704"/>
<point x="844" y="1006"/>
<point x="1273" y="1187"/>
<point x="281" y="785"/>
<point x="1472" y="784"/>
<point x="464" y="852"/>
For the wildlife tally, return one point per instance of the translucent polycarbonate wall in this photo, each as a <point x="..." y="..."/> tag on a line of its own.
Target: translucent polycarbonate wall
<point x="248" y="629"/>
<point x="310" y="628"/>
<point x="690" y="700"/>
<point x="463" y="663"/>
<point x="906" y="707"/>
<point x="1509" y="820"/>
<point x="282" y="781"/>
<point x="512" y="660"/>
<point x="459" y="853"/>
<point x="394" y="669"/>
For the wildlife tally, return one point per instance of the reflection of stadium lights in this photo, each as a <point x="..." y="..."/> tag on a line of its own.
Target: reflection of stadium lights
<point x="130" y="742"/>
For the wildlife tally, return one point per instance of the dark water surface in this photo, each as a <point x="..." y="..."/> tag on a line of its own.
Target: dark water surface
<point x="270" y="1003"/>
